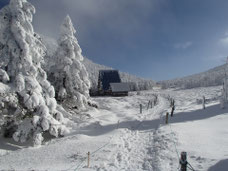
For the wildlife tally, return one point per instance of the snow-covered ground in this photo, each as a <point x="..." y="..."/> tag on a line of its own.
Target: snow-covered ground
<point x="118" y="137"/>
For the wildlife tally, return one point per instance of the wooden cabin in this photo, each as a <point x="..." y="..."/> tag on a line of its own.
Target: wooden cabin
<point x="119" y="89"/>
<point x="109" y="83"/>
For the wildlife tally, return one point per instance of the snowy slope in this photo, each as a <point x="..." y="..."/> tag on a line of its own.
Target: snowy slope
<point x="211" y="77"/>
<point x="201" y="133"/>
<point x="120" y="138"/>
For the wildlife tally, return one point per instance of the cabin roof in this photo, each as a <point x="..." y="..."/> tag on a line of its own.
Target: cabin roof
<point x="120" y="87"/>
<point x="107" y="77"/>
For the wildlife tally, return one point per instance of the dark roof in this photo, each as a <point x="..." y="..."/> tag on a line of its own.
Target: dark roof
<point x="108" y="76"/>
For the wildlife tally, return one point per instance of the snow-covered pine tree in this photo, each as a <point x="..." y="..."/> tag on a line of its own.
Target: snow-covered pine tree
<point x="21" y="55"/>
<point x="71" y="79"/>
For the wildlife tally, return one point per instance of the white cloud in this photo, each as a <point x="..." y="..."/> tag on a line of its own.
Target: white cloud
<point x="224" y="41"/>
<point x="184" y="45"/>
<point x="118" y="16"/>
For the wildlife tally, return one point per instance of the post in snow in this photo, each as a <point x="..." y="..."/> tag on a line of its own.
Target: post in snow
<point x="167" y="118"/>
<point x="155" y="99"/>
<point x="88" y="159"/>
<point x="183" y="161"/>
<point x="203" y="102"/>
<point x="172" y="110"/>
<point x="148" y="106"/>
<point x="140" y="108"/>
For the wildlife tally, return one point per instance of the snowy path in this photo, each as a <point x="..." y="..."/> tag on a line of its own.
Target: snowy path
<point x="133" y="147"/>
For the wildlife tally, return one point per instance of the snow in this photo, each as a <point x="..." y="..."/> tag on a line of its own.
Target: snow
<point x="118" y="137"/>
<point x="4" y="88"/>
<point x="119" y="87"/>
<point x="4" y="76"/>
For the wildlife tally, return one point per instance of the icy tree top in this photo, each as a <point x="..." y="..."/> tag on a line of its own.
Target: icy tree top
<point x="67" y="27"/>
<point x="68" y="40"/>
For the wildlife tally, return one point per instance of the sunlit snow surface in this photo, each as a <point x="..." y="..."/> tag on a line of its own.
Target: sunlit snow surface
<point x="120" y="138"/>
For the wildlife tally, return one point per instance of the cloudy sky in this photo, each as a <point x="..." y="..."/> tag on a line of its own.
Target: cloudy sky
<point x="157" y="39"/>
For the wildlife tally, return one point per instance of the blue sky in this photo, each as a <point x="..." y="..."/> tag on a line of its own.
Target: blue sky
<point x="157" y="39"/>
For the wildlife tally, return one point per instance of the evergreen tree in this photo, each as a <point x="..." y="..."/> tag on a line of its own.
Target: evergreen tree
<point x="71" y="79"/>
<point x="21" y="55"/>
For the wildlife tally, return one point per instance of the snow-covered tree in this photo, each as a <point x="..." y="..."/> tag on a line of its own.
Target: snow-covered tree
<point x="71" y="79"/>
<point x="20" y="61"/>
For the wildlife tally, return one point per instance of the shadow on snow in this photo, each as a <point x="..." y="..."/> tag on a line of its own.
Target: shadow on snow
<point x="209" y="112"/>
<point x="221" y="166"/>
<point x="11" y="145"/>
<point x="96" y="129"/>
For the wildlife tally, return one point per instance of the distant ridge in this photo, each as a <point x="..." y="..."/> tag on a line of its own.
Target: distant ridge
<point x="212" y="77"/>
